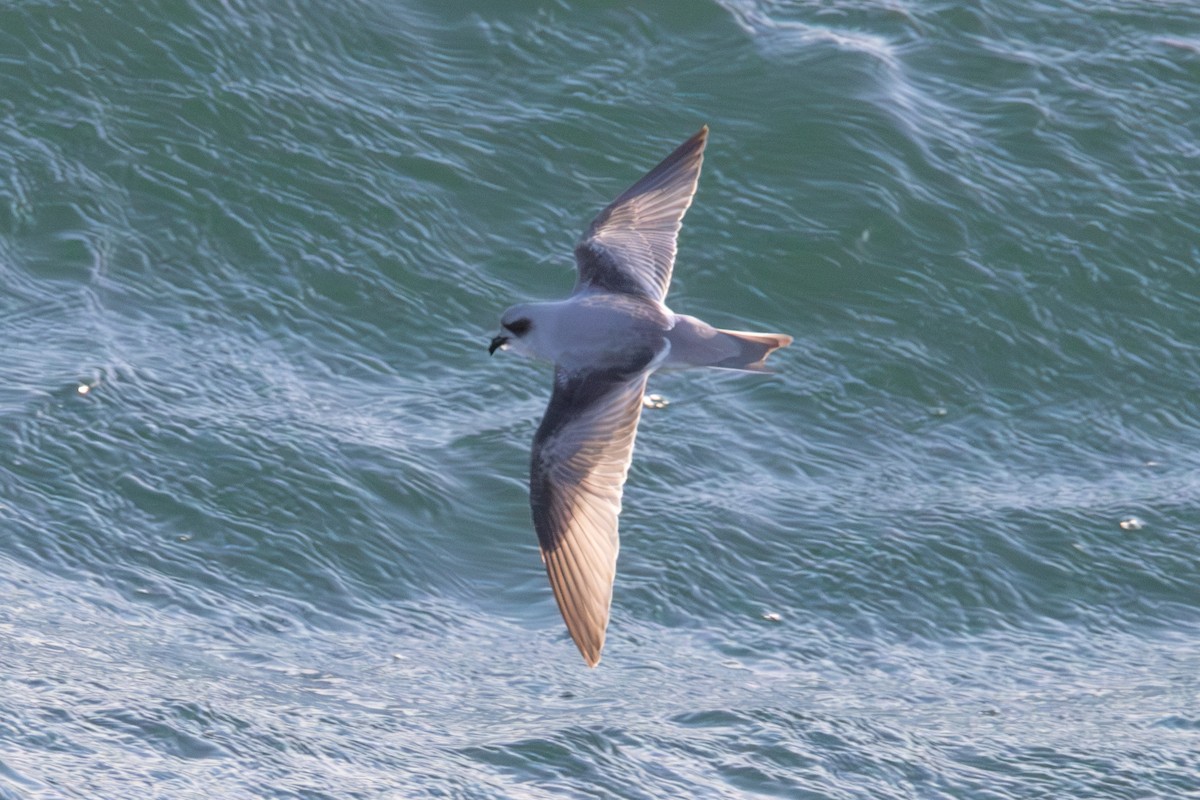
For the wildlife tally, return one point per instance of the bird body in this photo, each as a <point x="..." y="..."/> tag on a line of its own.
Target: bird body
<point x="592" y="329"/>
<point x="604" y="341"/>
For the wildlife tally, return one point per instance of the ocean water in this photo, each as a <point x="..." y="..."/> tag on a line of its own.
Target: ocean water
<point x="263" y="516"/>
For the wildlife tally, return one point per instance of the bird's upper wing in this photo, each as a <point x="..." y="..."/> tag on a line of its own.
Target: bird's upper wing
<point x="630" y="246"/>
<point x="581" y="455"/>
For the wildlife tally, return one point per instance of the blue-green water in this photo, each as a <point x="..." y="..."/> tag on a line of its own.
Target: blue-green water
<point x="280" y="546"/>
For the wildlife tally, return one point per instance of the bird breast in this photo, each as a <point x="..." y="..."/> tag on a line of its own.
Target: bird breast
<point x="607" y="332"/>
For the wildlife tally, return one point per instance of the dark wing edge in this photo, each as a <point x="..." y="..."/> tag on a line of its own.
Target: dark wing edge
<point x="630" y="246"/>
<point x="581" y="456"/>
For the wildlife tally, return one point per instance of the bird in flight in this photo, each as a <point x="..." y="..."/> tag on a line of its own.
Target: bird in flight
<point x="604" y="341"/>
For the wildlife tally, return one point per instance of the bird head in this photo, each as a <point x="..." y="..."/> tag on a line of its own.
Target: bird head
<point x="514" y="325"/>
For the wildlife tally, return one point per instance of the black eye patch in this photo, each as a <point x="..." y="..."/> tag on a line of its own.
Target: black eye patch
<point x="519" y="326"/>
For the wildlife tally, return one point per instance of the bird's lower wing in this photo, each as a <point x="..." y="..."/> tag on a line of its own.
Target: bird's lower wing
<point x="581" y="455"/>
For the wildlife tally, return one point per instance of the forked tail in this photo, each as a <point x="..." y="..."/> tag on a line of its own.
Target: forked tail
<point x="695" y="343"/>
<point x="752" y="349"/>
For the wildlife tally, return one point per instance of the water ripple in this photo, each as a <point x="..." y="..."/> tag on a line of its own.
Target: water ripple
<point x="280" y="546"/>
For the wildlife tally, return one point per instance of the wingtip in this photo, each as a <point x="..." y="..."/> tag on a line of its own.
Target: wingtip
<point x="694" y="144"/>
<point x="589" y="650"/>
